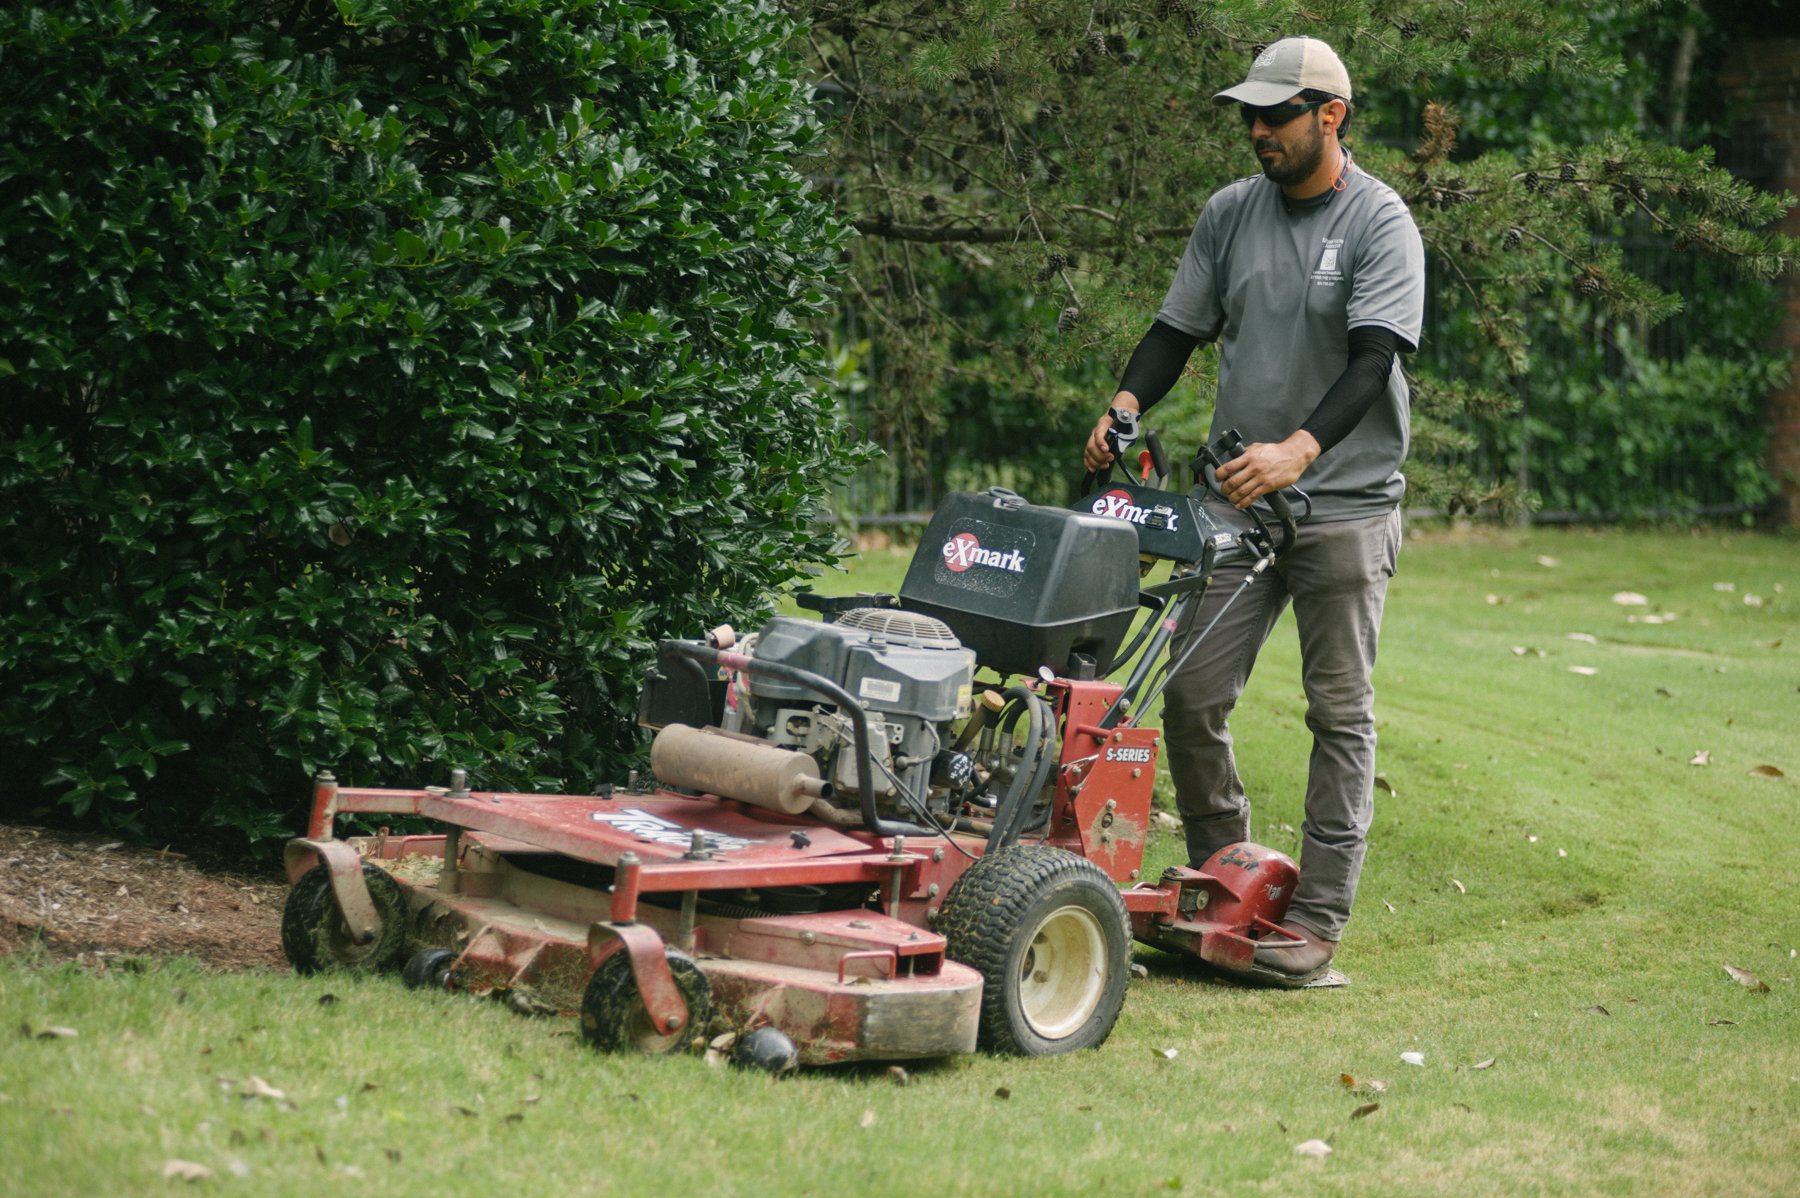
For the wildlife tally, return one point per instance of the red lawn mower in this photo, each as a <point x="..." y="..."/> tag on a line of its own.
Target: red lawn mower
<point x="855" y="848"/>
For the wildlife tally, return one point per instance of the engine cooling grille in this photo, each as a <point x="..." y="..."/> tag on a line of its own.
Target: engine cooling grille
<point x="901" y="627"/>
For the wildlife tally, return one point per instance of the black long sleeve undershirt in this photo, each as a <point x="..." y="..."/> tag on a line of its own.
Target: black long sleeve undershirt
<point x="1157" y="363"/>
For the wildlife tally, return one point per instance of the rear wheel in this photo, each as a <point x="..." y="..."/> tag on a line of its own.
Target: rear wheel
<point x="315" y="937"/>
<point x="1048" y="933"/>
<point x="613" y="1016"/>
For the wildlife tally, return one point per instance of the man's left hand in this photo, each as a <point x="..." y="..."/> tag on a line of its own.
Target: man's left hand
<point x="1266" y="466"/>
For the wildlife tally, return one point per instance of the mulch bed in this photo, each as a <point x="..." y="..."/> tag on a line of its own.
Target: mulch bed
<point x="86" y="897"/>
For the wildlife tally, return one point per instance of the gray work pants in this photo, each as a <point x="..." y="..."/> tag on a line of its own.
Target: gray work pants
<point x="1336" y="575"/>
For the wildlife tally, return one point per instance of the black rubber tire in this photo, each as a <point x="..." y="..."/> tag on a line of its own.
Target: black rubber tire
<point x="613" y="1017"/>
<point x="429" y="968"/>
<point x="1030" y="901"/>
<point x="313" y="934"/>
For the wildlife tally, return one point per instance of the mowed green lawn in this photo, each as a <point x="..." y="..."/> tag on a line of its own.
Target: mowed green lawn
<point x="1551" y="899"/>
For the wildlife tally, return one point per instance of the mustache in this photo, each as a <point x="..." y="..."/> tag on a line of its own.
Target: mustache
<point x="1266" y="143"/>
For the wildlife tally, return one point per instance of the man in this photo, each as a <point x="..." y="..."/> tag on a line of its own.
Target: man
<point x="1311" y="278"/>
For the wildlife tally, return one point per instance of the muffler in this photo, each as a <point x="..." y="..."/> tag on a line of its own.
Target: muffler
<point x="734" y="766"/>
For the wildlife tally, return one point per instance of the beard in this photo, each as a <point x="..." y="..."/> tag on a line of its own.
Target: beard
<point x="1298" y="160"/>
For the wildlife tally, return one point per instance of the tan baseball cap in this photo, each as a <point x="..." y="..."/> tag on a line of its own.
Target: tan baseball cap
<point x="1291" y="65"/>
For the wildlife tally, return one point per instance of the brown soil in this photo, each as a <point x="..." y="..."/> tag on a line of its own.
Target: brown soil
<point x="86" y="897"/>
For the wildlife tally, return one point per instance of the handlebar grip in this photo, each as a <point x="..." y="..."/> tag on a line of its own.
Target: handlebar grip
<point x="1159" y="458"/>
<point x="1284" y="512"/>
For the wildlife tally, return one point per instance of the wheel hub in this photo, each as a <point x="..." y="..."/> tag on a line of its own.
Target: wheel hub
<point x="1061" y="978"/>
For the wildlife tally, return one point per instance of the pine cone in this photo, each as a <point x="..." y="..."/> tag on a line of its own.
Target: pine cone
<point x="1567" y="172"/>
<point x="1514" y="238"/>
<point x="1531" y="181"/>
<point x="1067" y="318"/>
<point x="1588" y="285"/>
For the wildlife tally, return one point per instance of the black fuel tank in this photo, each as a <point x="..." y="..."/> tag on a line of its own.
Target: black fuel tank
<point x="1026" y="586"/>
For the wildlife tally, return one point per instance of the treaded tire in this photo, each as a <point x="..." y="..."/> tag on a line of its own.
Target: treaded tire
<point x="1049" y="934"/>
<point x="613" y="1017"/>
<point x="313" y="934"/>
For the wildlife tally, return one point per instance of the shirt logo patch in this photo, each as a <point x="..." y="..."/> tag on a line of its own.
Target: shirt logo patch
<point x="1329" y="273"/>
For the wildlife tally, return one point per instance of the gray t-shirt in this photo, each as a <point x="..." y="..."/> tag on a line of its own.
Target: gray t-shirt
<point x="1280" y="284"/>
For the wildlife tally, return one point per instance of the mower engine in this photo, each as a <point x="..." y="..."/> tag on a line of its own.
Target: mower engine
<point x="912" y="676"/>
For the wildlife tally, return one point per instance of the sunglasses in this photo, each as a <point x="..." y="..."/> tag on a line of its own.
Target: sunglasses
<point x="1277" y="115"/>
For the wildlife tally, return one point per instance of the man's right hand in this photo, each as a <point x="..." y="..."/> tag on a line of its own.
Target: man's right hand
<point x="1096" y="455"/>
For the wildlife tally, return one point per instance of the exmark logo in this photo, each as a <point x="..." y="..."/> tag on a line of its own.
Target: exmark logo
<point x="964" y="550"/>
<point x="1117" y="505"/>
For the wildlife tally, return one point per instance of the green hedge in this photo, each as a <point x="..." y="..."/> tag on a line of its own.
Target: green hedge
<point x="379" y="379"/>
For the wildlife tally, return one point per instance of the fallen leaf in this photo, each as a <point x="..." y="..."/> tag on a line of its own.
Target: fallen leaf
<point x="515" y="1117"/>
<point x="1381" y="783"/>
<point x="1703" y="757"/>
<point x="1629" y="599"/>
<point x="463" y="1110"/>
<point x="1374" y="1087"/>
<point x="1548" y="562"/>
<point x="1365" y="1110"/>
<point x="1746" y="979"/>
<point x="1584" y="671"/>
<point x="1139" y="970"/>
<point x="326" y="1000"/>
<point x="1003" y="1093"/>
<point x="177" y="1170"/>
<point x="1753" y="600"/>
<point x="1597" y="1009"/>
<point x="1348" y="1080"/>
<point x="1390" y="907"/>
<point x="1169" y="1054"/>
<point x="1725" y="587"/>
<point x="1165" y="821"/>
<point x="1586" y="638"/>
<point x="1721" y="1023"/>
<point x="1460" y="888"/>
<point x="1495" y="600"/>
<point x="1765" y="771"/>
<point x="1413" y="1058"/>
<point x="1487" y="1064"/>
<point x="1531" y="840"/>
<point x="57" y="1033"/>
<point x="1562" y="852"/>
<point x="1317" y="1149"/>
<point x="256" y="1087"/>
<point x="900" y="1075"/>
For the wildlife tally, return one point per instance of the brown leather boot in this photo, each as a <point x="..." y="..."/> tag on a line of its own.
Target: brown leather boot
<point x="1292" y="960"/>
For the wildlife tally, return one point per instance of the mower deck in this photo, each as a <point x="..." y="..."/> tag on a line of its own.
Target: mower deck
<point x="522" y="883"/>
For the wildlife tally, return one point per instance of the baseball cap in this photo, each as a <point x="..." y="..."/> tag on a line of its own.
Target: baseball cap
<point x="1291" y="65"/>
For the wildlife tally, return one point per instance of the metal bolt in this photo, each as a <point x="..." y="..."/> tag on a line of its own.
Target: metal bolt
<point x="807" y="938"/>
<point x="937" y="856"/>
<point x="1137" y="772"/>
<point x="931" y="891"/>
<point x="675" y="1021"/>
